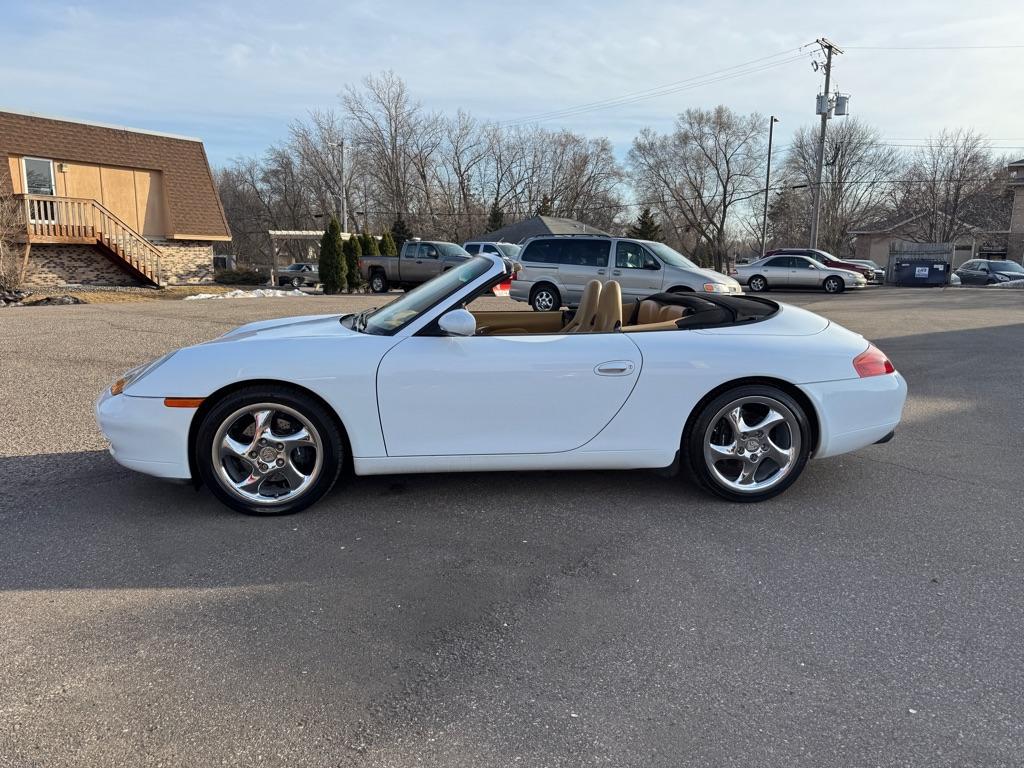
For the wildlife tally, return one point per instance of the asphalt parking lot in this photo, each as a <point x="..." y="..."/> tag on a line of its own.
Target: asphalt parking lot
<point x="872" y="615"/>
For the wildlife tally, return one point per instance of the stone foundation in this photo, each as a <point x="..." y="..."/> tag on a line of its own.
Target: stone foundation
<point x="183" y="261"/>
<point x="50" y="265"/>
<point x="186" y="261"/>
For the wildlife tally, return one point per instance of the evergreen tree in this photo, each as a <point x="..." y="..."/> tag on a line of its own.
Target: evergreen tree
<point x="369" y="244"/>
<point x="387" y="245"/>
<point x="400" y="232"/>
<point x="332" y="261"/>
<point x="546" y="207"/>
<point x="496" y="218"/>
<point x="646" y="227"/>
<point x="353" y="252"/>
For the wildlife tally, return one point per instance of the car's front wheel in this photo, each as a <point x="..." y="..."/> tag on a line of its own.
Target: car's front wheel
<point x="749" y="443"/>
<point x="268" y="450"/>
<point x="545" y="298"/>
<point x="757" y="284"/>
<point x="834" y="284"/>
<point x="296" y="282"/>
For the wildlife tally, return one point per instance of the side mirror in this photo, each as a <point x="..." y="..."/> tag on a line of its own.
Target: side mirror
<point x="458" y="322"/>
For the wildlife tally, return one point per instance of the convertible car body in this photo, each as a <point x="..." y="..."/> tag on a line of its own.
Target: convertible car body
<point x="741" y="391"/>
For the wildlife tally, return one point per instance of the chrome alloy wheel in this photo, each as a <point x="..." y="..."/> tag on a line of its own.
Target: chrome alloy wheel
<point x="752" y="444"/>
<point x="267" y="454"/>
<point x="544" y="300"/>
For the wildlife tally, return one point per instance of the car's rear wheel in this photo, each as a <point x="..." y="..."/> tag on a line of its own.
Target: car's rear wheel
<point x="757" y="284"/>
<point x="749" y="444"/>
<point x="834" y="284"/>
<point x="378" y="282"/>
<point x="296" y="282"/>
<point x="545" y="298"/>
<point x="268" y="450"/>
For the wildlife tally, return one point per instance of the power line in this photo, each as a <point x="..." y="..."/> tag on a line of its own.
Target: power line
<point x="727" y="73"/>
<point x="931" y="47"/>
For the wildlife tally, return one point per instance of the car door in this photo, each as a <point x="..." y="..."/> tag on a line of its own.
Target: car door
<point x="804" y="273"/>
<point x="638" y="272"/>
<point x="776" y="270"/>
<point x="449" y="396"/>
<point x="416" y="264"/>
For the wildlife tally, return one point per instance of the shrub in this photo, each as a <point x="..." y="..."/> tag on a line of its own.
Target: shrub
<point x="353" y="252"/>
<point x="333" y="267"/>
<point x="239" y="277"/>
<point x="387" y="245"/>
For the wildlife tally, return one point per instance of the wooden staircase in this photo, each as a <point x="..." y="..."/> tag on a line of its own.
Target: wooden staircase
<point x="82" y="221"/>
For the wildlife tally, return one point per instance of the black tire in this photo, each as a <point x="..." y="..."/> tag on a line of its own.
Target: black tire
<point x="378" y="282"/>
<point x="757" y="284"/>
<point x="296" y="282"/>
<point x="545" y="298"/>
<point x="319" y="419"/>
<point x="834" y="284"/>
<point x="701" y="429"/>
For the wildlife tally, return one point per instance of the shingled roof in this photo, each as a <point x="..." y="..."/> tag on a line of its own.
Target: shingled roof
<point x="539" y="225"/>
<point x="192" y="202"/>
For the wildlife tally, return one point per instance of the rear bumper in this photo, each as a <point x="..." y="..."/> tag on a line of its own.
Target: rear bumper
<point x="145" y="435"/>
<point x="855" y="413"/>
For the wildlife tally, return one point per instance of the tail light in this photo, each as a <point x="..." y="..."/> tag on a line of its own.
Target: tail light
<point x="872" y="362"/>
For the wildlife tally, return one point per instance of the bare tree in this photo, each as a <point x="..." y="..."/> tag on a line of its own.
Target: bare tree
<point x="857" y="181"/>
<point x="695" y="175"/>
<point x="13" y="253"/>
<point x="950" y="177"/>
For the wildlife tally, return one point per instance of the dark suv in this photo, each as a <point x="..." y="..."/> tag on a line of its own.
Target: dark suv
<point x="989" y="271"/>
<point x="827" y="259"/>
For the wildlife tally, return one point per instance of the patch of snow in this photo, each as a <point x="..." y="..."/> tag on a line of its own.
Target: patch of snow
<point x="238" y="293"/>
<point x="1009" y="284"/>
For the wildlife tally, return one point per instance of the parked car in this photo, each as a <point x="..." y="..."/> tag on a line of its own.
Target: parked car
<point x="418" y="262"/>
<point x="267" y="415"/>
<point x="878" y="273"/>
<point x="555" y="268"/>
<point x="508" y="250"/>
<point x="299" y="274"/>
<point x="796" y="272"/>
<point x="989" y="271"/>
<point x="827" y="259"/>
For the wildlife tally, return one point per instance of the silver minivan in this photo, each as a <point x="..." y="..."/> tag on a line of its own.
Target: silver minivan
<point x="555" y="269"/>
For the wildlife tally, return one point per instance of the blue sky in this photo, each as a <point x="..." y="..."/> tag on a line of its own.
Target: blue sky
<point x="235" y="74"/>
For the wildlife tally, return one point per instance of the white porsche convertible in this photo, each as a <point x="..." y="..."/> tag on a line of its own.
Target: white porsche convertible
<point x="739" y="390"/>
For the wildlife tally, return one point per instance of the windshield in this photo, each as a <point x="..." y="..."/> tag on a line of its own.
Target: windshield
<point x="669" y="256"/>
<point x="1005" y="266"/>
<point x="413" y="303"/>
<point x="508" y="250"/>
<point x="451" y="249"/>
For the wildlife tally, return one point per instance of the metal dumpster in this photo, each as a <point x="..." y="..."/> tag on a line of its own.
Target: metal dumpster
<point x="919" y="271"/>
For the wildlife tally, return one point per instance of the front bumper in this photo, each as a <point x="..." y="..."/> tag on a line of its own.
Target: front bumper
<point x="145" y="435"/>
<point x="856" y="413"/>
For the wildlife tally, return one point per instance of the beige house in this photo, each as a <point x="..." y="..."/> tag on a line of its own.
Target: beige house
<point x="107" y="205"/>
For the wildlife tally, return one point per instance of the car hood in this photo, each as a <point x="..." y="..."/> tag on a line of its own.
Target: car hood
<point x="304" y="326"/>
<point x="717" y="277"/>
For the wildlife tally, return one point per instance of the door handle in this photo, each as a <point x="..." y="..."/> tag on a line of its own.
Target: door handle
<point x="614" y="368"/>
<point x="616" y="272"/>
<point x="600" y="271"/>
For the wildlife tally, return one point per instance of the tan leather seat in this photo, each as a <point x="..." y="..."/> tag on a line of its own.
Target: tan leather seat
<point x="583" y="320"/>
<point x="670" y="313"/>
<point x="648" y="313"/>
<point x="609" y="308"/>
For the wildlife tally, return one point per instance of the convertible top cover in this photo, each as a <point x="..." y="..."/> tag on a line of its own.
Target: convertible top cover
<point x="711" y="311"/>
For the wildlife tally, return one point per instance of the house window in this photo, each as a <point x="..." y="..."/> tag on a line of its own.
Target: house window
<point x="39" y="176"/>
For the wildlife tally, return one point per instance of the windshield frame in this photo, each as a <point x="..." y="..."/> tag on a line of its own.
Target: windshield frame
<point x="488" y="261"/>
<point x="655" y="248"/>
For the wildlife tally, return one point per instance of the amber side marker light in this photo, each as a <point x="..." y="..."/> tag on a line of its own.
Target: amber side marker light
<point x="872" y="362"/>
<point x="117" y="387"/>
<point x="183" y="402"/>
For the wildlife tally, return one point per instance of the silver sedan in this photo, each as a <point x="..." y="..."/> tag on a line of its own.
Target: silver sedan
<point x="796" y="272"/>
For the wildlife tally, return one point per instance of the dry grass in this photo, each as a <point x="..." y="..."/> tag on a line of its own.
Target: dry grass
<point x="100" y="296"/>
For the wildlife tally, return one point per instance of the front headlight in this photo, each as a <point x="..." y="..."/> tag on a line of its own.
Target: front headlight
<point x="137" y="373"/>
<point x="716" y="288"/>
<point x="1001" y="278"/>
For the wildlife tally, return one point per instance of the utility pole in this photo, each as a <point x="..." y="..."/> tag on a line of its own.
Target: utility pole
<point x="767" y="186"/>
<point x="344" y="213"/>
<point x="824" y="108"/>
